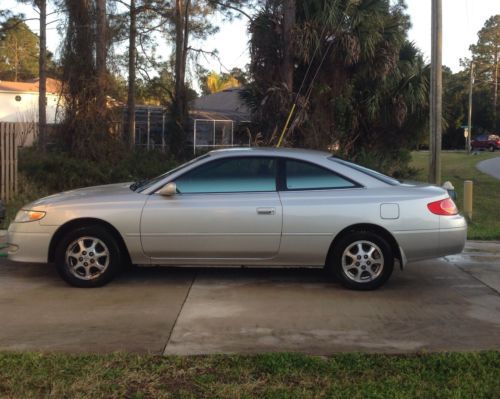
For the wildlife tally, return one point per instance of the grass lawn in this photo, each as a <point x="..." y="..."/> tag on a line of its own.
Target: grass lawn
<point x="458" y="167"/>
<point x="454" y="375"/>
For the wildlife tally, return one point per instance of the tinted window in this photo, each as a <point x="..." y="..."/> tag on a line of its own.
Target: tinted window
<point x="306" y="176"/>
<point x="230" y="175"/>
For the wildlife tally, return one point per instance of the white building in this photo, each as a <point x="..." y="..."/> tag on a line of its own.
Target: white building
<point x="19" y="101"/>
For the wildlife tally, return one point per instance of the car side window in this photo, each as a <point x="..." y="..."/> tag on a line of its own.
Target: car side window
<point x="241" y="174"/>
<point x="306" y="176"/>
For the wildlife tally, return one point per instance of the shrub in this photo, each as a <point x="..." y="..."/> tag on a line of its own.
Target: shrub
<point x="58" y="171"/>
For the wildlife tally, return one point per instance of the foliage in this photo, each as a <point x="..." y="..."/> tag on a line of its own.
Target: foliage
<point x="19" y="50"/>
<point x="486" y="57"/>
<point x="213" y="82"/>
<point x="87" y="128"/>
<point x="56" y="171"/>
<point x="370" y="93"/>
<point x="273" y="375"/>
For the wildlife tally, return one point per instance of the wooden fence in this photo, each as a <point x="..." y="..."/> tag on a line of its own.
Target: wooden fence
<point x="8" y="160"/>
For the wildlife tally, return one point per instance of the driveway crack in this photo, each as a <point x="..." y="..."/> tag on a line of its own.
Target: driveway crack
<point x="178" y="314"/>
<point x="474" y="277"/>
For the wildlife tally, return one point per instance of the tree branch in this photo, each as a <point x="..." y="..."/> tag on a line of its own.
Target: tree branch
<point x="226" y="5"/>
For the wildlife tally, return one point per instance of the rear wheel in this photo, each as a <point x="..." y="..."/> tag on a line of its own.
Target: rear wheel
<point x="361" y="260"/>
<point x="491" y="148"/>
<point x="88" y="257"/>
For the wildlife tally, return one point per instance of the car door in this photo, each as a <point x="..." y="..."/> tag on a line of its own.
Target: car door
<point x="226" y="209"/>
<point x="317" y="204"/>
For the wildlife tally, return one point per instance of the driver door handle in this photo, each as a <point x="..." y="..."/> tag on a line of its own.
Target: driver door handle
<point x="266" y="211"/>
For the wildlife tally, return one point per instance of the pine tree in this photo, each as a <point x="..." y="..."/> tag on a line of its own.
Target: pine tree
<point x="486" y="57"/>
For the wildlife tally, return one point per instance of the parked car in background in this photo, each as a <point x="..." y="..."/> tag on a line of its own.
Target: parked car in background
<point x="490" y="142"/>
<point x="243" y="207"/>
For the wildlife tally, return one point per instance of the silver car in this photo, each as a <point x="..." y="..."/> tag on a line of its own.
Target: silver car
<point x="243" y="207"/>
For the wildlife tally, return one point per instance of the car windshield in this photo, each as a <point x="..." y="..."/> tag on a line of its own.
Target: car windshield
<point x="142" y="185"/>
<point x="369" y="172"/>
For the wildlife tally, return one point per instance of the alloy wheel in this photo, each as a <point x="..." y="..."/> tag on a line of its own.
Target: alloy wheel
<point x="362" y="261"/>
<point x="87" y="258"/>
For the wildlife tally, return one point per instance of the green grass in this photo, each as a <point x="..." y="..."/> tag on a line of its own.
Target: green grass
<point x="446" y="375"/>
<point x="458" y="167"/>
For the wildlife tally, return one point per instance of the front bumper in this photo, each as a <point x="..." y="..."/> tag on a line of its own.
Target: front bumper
<point x="29" y="242"/>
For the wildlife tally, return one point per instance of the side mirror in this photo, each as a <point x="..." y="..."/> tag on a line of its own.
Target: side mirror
<point x="168" y="190"/>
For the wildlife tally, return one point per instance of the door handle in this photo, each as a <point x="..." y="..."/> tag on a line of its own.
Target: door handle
<point x="266" y="211"/>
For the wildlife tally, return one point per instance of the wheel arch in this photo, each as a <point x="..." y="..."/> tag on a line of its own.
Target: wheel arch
<point x="374" y="229"/>
<point x="85" y="222"/>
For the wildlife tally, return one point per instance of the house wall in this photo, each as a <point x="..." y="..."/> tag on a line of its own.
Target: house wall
<point x="26" y="109"/>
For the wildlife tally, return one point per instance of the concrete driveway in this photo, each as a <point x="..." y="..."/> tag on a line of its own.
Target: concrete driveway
<point x="444" y="304"/>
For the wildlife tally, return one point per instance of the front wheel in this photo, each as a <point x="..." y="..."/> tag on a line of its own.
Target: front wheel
<point x="88" y="257"/>
<point x="361" y="260"/>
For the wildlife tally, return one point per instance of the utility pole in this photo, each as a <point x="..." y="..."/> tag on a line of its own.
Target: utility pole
<point x="469" y="119"/>
<point x="42" y="77"/>
<point x="436" y="93"/>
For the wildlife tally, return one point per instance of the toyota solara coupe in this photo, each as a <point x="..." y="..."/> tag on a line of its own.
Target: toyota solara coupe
<point x="243" y="207"/>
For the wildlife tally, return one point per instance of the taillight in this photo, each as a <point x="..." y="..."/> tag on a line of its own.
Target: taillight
<point x="444" y="207"/>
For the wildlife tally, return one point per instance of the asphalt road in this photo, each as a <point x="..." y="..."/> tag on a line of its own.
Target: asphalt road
<point x="444" y="304"/>
<point x="490" y="167"/>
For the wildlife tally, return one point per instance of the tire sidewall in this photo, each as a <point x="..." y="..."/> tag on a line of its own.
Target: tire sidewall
<point x="335" y="262"/>
<point x="104" y="235"/>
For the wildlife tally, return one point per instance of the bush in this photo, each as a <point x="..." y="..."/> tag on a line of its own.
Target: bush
<point x="393" y="163"/>
<point x="57" y="171"/>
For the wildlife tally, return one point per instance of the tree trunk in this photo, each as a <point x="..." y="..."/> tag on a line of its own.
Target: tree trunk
<point x="180" y="65"/>
<point x="16" y="59"/>
<point x="101" y="53"/>
<point x="42" y="75"/>
<point x="288" y="23"/>
<point x="179" y="105"/>
<point x="131" y="75"/>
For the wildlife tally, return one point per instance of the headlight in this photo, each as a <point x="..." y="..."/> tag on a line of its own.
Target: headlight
<point x="28" y="216"/>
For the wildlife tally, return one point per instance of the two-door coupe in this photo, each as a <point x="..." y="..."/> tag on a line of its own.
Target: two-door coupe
<point x="243" y="207"/>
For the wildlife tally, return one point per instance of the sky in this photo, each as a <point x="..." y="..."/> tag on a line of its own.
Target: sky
<point x="462" y="19"/>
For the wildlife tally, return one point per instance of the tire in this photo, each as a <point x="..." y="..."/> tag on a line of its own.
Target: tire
<point x="368" y="272"/>
<point x="491" y="148"/>
<point x="81" y="266"/>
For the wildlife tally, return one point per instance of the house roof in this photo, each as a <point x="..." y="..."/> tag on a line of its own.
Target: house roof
<point x="224" y="105"/>
<point x="31" y="86"/>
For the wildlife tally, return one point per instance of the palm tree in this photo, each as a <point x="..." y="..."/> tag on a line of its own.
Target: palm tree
<point x="216" y="82"/>
<point x="362" y="82"/>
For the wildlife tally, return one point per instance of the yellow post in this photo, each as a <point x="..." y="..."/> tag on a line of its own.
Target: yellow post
<point x="468" y="198"/>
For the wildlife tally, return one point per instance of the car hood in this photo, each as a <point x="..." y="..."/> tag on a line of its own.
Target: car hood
<point x="94" y="193"/>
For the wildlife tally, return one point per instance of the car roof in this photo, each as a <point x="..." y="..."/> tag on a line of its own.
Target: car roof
<point x="294" y="152"/>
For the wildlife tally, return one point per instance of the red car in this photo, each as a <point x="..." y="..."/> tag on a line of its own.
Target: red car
<point x="490" y="142"/>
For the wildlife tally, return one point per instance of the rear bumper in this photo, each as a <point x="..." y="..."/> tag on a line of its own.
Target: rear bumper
<point x="452" y="235"/>
<point x="29" y="242"/>
<point x="449" y="239"/>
